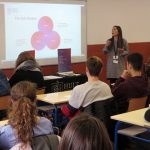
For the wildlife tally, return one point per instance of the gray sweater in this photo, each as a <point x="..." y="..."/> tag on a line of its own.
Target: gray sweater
<point x="114" y="70"/>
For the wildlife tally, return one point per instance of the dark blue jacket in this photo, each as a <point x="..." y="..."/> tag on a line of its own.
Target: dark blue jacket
<point x="4" y="84"/>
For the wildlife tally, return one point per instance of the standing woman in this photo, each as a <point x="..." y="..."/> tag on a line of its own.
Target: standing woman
<point x="116" y="49"/>
<point x="23" y="122"/>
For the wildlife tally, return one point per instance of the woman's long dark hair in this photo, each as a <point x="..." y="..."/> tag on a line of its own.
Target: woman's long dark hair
<point x="85" y="132"/>
<point x="120" y="38"/>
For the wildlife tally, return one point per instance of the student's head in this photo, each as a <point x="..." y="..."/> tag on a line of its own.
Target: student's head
<point x="22" y="115"/>
<point x="23" y="56"/>
<point x="93" y="66"/>
<point x="117" y="31"/>
<point x="134" y="62"/>
<point x="85" y="132"/>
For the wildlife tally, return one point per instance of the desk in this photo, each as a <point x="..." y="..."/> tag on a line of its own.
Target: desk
<point x="51" y="98"/>
<point x="64" y="83"/>
<point x="55" y="99"/>
<point x="134" y="118"/>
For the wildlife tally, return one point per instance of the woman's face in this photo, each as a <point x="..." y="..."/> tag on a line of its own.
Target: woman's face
<point x="115" y="31"/>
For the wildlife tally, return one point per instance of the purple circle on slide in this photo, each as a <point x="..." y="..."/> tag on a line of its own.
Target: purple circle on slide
<point x="38" y="40"/>
<point x="53" y="40"/>
<point x="45" y="24"/>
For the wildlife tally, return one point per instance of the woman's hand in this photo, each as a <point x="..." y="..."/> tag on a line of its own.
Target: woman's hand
<point x="121" y="50"/>
<point x="108" y="42"/>
<point x="125" y="74"/>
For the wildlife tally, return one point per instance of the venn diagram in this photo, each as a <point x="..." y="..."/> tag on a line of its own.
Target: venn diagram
<point x="45" y="36"/>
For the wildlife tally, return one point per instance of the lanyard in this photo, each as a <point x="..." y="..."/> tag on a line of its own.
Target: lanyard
<point x="115" y="48"/>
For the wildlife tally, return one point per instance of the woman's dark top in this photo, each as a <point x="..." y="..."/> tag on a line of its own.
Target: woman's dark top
<point x="33" y="76"/>
<point x="28" y="71"/>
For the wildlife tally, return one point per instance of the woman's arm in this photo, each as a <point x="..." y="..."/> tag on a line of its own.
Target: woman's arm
<point x="125" y="49"/>
<point x="106" y="48"/>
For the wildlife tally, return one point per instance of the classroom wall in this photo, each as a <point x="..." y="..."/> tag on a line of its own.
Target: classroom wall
<point x="131" y="15"/>
<point x="95" y="49"/>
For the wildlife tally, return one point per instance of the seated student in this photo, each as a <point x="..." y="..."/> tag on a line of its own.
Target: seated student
<point x="4" y="84"/>
<point x="91" y="91"/>
<point x="131" y="84"/>
<point x="85" y="132"/>
<point x="147" y="68"/>
<point x="27" y="69"/>
<point x="4" y="90"/>
<point x="147" y="73"/>
<point x="23" y="122"/>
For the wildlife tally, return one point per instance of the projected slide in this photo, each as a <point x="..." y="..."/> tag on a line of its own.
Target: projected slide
<point x="42" y="27"/>
<point x="45" y="36"/>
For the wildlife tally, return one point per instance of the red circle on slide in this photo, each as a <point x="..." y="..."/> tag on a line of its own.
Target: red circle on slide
<point x="53" y="40"/>
<point x="45" y="24"/>
<point x="38" y="40"/>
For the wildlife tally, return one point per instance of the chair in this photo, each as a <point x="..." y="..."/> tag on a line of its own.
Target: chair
<point x="4" y="102"/>
<point x="103" y="109"/>
<point x="137" y="103"/>
<point x="45" y="142"/>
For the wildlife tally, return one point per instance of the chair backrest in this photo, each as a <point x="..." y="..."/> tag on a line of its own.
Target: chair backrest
<point x="137" y="103"/>
<point x="4" y="102"/>
<point x="103" y="110"/>
<point x="45" y="142"/>
<point x="40" y="91"/>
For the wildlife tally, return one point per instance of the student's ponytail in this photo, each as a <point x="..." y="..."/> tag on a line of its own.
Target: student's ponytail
<point x="23" y="119"/>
